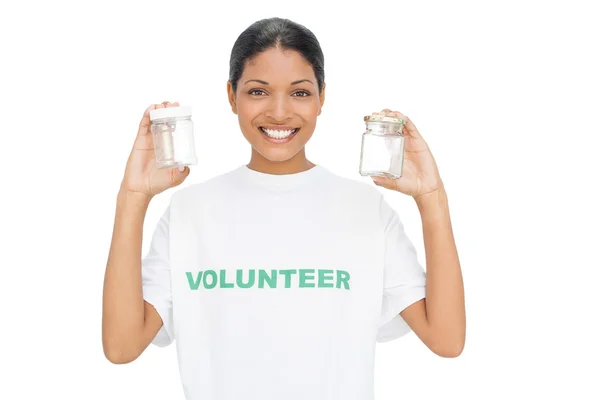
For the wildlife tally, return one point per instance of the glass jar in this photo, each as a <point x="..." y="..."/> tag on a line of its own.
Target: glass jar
<point x="382" y="149"/>
<point x="173" y="134"/>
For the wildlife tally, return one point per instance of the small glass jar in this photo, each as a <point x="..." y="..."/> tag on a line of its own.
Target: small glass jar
<point x="382" y="149"/>
<point x="173" y="134"/>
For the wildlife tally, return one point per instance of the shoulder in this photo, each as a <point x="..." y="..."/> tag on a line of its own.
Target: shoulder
<point x="216" y="186"/>
<point x="354" y="190"/>
<point x="367" y="196"/>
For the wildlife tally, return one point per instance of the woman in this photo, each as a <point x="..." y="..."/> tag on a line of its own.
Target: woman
<point x="277" y="278"/>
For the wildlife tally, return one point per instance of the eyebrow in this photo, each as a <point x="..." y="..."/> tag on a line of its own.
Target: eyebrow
<point x="266" y="83"/>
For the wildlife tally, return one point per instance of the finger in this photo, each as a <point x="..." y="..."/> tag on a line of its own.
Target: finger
<point x="169" y="104"/>
<point x="179" y="174"/>
<point x="145" y="122"/>
<point x="398" y="114"/>
<point x="384" y="182"/>
<point x="411" y="130"/>
<point x="388" y="112"/>
<point x="144" y="128"/>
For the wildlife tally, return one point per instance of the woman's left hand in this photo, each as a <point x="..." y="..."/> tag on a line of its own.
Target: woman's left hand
<point x="420" y="174"/>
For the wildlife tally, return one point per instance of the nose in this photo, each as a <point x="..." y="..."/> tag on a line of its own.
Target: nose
<point x="278" y="107"/>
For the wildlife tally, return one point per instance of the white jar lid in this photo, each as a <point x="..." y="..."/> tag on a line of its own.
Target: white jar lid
<point x="171" y="112"/>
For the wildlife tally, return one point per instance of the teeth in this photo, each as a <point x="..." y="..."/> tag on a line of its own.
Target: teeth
<point x="278" y="134"/>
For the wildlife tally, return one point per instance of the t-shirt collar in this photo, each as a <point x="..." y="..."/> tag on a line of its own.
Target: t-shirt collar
<point x="276" y="181"/>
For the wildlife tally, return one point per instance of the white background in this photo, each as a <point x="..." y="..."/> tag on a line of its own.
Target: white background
<point x="505" y="93"/>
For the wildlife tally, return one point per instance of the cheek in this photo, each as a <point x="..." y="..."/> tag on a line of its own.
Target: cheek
<point x="247" y="112"/>
<point x="309" y="109"/>
<point x="249" y="105"/>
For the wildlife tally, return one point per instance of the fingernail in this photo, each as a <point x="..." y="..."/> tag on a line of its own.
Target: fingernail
<point x="181" y="169"/>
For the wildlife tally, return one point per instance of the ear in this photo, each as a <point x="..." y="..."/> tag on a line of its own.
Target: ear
<point x="231" y="95"/>
<point x="322" y="98"/>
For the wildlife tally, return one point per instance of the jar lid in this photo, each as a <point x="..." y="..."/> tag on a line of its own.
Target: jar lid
<point x="381" y="118"/>
<point x="170" y="112"/>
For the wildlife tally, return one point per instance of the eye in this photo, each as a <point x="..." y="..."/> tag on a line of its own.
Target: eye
<point x="306" y="94"/>
<point x="255" y="90"/>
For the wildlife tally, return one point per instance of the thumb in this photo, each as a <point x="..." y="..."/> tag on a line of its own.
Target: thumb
<point x="384" y="182"/>
<point x="181" y="173"/>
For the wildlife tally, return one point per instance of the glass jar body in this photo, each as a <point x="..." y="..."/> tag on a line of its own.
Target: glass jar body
<point x="174" y="144"/>
<point x="382" y="150"/>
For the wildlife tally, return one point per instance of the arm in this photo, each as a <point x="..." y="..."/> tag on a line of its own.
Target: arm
<point x="128" y="322"/>
<point x="439" y="320"/>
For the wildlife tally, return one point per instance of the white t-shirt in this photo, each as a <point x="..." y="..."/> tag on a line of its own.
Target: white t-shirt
<point x="279" y="286"/>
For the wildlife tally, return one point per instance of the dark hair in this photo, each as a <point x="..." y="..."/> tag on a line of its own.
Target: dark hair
<point x="275" y="33"/>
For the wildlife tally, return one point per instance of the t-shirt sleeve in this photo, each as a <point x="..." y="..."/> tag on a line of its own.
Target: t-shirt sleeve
<point x="156" y="280"/>
<point x="404" y="278"/>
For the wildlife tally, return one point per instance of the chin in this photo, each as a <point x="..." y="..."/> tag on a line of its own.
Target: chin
<point x="277" y="152"/>
<point x="277" y="155"/>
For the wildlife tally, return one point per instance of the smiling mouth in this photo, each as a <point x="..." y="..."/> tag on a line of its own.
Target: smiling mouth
<point x="278" y="134"/>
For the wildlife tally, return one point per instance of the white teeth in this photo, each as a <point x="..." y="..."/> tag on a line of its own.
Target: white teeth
<point x="278" y="134"/>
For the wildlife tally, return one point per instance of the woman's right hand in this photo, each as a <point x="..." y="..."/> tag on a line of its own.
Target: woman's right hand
<point x="141" y="174"/>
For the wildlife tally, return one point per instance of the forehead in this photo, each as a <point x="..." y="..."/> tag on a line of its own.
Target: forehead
<point x="275" y="63"/>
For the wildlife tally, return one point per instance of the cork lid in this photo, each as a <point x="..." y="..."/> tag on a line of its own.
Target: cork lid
<point x="381" y="118"/>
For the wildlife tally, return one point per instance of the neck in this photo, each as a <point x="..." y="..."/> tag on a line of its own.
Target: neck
<point x="296" y="164"/>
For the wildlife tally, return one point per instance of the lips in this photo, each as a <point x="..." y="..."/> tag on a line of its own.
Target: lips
<point x="278" y="135"/>
<point x="278" y="131"/>
<point x="279" y="127"/>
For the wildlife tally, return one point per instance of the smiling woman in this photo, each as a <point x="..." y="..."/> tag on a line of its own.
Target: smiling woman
<point x="275" y="280"/>
<point x="276" y="87"/>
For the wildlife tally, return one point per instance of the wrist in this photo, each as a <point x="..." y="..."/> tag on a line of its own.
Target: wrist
<point x="434" y="199"/>
<point x="128" y="197"/>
